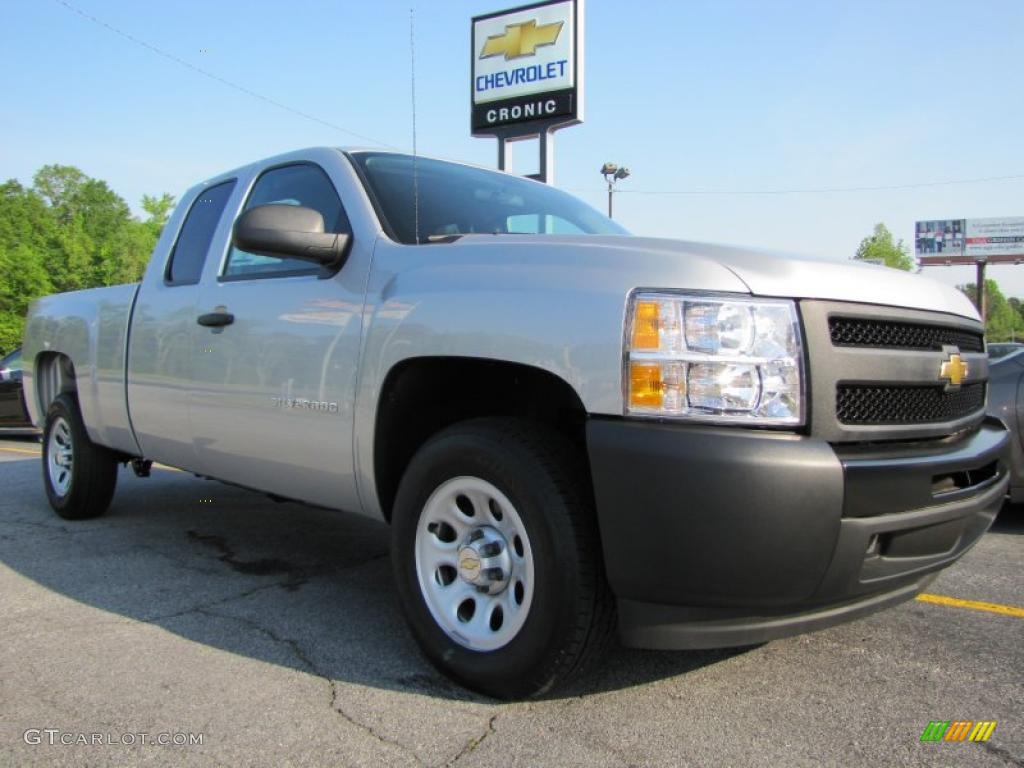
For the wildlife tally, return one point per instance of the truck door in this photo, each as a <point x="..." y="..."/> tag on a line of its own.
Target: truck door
<point x="163" y="335"/>
<point x="273" y="388"/>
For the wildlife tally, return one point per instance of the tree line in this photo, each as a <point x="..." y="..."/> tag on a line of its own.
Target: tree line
<point x="67" y="232"/>
<point x="1004" y="320"/>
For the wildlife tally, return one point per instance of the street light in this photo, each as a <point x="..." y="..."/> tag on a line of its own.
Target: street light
<point x="612" y="173"/>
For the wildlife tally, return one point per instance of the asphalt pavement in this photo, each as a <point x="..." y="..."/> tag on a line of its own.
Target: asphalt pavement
<point x="270" y="632"/>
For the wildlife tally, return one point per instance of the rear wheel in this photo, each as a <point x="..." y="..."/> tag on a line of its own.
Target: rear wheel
<point x="497" y="558"/>
<point x="79" y="475"/>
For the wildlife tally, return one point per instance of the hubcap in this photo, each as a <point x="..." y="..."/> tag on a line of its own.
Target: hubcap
<point x="474" y="563"/>
<point x="60" y="456"/>
<point x="484" y="560"/>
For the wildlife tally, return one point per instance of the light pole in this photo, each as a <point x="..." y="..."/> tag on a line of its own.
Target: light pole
<point x="612" y="173"/>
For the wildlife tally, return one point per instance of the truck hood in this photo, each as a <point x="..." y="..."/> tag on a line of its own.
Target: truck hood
<point x="769" y="273"/>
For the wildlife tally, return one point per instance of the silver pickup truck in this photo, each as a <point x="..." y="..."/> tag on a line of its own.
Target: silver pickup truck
<point x="571" y="430"/>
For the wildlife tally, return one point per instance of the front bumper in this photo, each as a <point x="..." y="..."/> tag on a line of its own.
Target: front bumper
<point x="715" y="537"/>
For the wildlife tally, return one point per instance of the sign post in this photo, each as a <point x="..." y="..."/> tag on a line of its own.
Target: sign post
<point x="527" y="76"/>
<point x="981" y="242"/>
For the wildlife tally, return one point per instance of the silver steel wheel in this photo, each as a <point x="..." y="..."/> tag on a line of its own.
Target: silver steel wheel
<point x="60" y="456"/>
<point x="474" y="563"/>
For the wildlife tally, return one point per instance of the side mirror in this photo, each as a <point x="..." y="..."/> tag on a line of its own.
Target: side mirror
<point x="289" y="231"/>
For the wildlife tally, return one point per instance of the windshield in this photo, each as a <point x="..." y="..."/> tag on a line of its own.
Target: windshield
<point x="460" y="200"/>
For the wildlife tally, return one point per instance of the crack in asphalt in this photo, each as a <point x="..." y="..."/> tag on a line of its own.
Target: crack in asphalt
<point x="288" y="584"/>
<point x="298" y="575"/>
<point x="474" y="742"/>
<point x="201" y="607"/>
<point x="264" y="566"/>
<point x="46" y="526"/>
<point x="312" y="669"/>
<point x="363" y="726"/>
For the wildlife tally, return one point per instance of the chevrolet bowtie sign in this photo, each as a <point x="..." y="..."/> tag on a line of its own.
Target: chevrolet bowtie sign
<point x="521" y="39"/>
<point x="526" y="68"/>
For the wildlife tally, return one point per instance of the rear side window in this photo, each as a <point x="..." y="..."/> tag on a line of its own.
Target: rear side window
<point x="302" y="184"/>
<point x="189" y="255"/>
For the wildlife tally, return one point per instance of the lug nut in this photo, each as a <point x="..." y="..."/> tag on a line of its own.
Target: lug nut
<point x="494" y="574"/>
<point x="491" y="549"/>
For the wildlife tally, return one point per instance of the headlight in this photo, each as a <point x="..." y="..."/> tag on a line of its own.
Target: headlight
<point x="715" y="359"/>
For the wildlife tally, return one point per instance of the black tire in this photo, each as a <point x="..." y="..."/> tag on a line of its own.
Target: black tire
<point x="571" y="617"/>
<point x="93" y="473"/>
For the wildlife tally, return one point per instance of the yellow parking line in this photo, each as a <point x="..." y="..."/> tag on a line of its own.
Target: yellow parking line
<point x="37" y="453"/>
<point x="19" y="450"/>
<point x="974" y="605"/>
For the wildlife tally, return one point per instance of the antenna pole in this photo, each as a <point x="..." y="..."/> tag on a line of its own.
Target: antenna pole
<point x="415" y="169"/>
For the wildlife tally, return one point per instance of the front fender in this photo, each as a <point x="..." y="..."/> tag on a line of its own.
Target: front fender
<point x="557" y="306"/>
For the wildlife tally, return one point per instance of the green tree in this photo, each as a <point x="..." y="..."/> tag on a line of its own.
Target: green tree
<point x="26" y="227"/>
<point x="159" y="210"/>
<point x="880" y="248"/>
<point x="1017" y="305"/>
<point x="1002" y="322"/>
<point x="59" y="185"/>
<point x="68" y="232"/>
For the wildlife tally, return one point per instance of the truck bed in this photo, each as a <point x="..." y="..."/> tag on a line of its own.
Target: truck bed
<point x="91" y="328"/>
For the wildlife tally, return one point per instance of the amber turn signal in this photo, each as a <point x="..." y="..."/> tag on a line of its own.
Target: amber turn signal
<point x="645" y="325"/>
<point x="646" y="389"/>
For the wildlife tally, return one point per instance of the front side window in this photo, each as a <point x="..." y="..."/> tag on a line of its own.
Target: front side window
<point x="302" y="184"/>
<point x="421" y="200"/>
<point x="186" y="263"/>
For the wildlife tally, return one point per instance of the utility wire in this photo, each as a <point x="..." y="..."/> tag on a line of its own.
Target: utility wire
<point x="363" y="137"/>
<point x="210" y="75"/>
<point x="824" y="190"/>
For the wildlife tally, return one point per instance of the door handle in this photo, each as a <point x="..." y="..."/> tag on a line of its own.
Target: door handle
<point x="215" y="319"/>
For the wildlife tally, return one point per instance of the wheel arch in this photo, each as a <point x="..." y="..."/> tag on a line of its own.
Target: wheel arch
<point x="54" y="375"/>
<point x="423" y="395"/>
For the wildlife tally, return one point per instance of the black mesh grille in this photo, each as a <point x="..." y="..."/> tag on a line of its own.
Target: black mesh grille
<point x="867" y="404"/>
<point x="862" y="332"/>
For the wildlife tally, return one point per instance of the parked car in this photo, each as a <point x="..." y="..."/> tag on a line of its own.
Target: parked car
<point x="14" y="416"/>
<point x="569" y="429"/>
<point x="1006" y="402"/>
<point x="1001" y="349"/>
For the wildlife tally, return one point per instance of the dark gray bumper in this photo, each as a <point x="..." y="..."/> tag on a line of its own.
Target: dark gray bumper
<point x="715" y="537"/>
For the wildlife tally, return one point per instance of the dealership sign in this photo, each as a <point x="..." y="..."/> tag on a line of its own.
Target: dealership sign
<point x="527" y="69"/>
<point x="969" y="239"/>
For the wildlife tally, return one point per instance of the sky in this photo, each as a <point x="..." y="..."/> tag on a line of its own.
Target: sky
<point x="716" y="106"/>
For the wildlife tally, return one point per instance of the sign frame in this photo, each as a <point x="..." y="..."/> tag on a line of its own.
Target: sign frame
<point x="542" y="126"/>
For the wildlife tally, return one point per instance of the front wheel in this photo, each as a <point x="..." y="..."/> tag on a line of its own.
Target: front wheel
<point x="79" y="475"/>
<point x="497" y="558"/>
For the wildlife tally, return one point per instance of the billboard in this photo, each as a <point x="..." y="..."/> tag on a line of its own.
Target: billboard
<point x="526" y="68"/>
<point x="969" y="239"/>
<point x="941" y="237"/>
<point x="994" y="237"/>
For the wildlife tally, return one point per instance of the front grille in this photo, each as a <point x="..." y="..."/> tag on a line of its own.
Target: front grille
<point x="892" y="334"/>
<point x="868" y="404"/>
